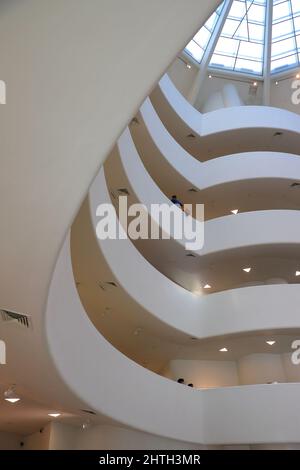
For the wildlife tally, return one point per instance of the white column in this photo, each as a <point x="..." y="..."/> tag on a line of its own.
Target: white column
<point x="231" y="96"/>
<point x="267" y="55"/>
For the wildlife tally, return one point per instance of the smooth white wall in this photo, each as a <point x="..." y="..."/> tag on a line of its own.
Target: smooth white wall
<point x="62" y="437"/>
<point x="182" y="77"/>
<point x="292" y="371"/>
<point x="38" y="440"/>
<point x="261" y="369"/>
<point x="9" y="441"/>
<point x="281" y="94"/>
<point x="112" y="438"/>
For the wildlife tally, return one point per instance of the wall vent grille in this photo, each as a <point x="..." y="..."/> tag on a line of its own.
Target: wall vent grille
<point x="107" y="285"/>
<point x="124" y="191"/>
<point x="192" y="190"/>
<point x="20" y="319"/>
<point x="90" y="412"/>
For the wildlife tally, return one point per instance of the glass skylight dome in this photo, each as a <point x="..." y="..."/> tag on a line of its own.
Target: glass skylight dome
<point x="250" y="36"/>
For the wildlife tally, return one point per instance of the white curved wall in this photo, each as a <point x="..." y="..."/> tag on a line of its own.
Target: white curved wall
<point x="253" y="229"/>
<point x="233" y="311"/>
<point x="102" y="377"/>
<point x="261" y="368"/>
<point x="221" y="170"/>
<point x="94" y="370"/>
<point x="245" y="117"/>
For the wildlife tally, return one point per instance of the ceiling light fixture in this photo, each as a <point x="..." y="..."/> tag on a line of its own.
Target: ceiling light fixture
<point x="270" y="343"/>
<point x="234" y="211"/>
<point x="254" y="83"/>
<point x="209" y="76"/>
<point x="189" y="66"/>
<point x="86" y="424"/>
<point x="247" y="270"/>
<point x="11" y="395"/>
<point x="207" y="286"/>
<point x="223" y="350"/>
<point x="276" y="83"/>
<point x="54" y="415"/>
<point x="298" y="75"/>
<point x="297" y="273"/>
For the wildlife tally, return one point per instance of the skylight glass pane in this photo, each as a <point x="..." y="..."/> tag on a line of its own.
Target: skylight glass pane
<point x="221" y="61"/>
<point x="248" y="66"/>
<point x="283" y="29"/>
<point x="295" y="6"/>
<point x="242" y="38"/>
<point x="297" y="23"/>
<point x="203" y="36"/>
<point x="227" y="46"/>
<point x="281" y="11"/>
<point x="285" y="63"/>
<point x="195" y="51"/>
<point x="286" y="24"/>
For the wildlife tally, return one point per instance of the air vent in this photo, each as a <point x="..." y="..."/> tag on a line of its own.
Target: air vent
<point x="191" y="136"/>
<point x="90" y="412"/>
<point x="111" y="283"/>
<point x="295" y="185"/>
<point x="107" y="285"/>
<point x="277" y="134"/>
<point x="192" y="190"/>
<point x="15" y="318"/>
<point x="191" y="255"/>
<point x="134" y="121"/>
<point x="124" y="191"/>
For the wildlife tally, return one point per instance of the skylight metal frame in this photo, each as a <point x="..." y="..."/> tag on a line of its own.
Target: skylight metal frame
<point x="234" y="57"/>
<point x="293" y="36"/>
<point x="261" y="70"/>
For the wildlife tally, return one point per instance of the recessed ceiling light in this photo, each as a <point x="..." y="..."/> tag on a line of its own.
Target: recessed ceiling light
<point x="54" y="415"/>
<point x="12" y="400"/>
<point x="86" y="424"/>
<point x="223" y="350"/>
<point x="189" y="66"/>
<point x="234" y="211"/>
<point x="270" y="343"/>
<point x="247" y="270"/>
<point x="276" y="83"/>
<point x="254" y="83"/>
<point x="297" y="273"/>
<point x="209" y="76"/>
<point x="207" y="286"/>
<point x="298" y="75"/>
<point x="11" y="395"/>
